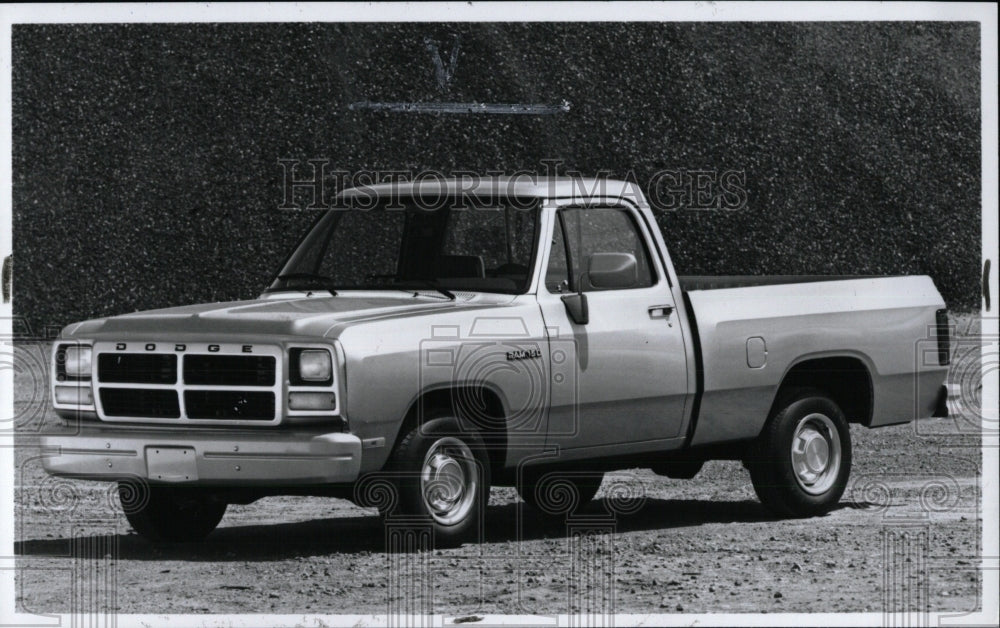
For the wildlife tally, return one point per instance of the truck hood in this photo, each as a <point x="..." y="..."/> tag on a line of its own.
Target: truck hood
<point x="287" y="314"/>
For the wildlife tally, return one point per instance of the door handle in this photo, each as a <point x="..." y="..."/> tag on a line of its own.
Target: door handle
<point x="660" y="311"/>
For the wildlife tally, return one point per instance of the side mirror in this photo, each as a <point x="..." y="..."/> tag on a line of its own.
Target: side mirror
<point x="576" y="307"/>
<point x="612" y="270"/>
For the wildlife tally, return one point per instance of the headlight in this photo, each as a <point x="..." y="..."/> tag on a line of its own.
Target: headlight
<point x="78" y="362"/>
<point x="315" y="365"/>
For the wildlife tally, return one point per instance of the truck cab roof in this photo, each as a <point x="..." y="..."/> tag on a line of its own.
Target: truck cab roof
<point x="517" y="186"/>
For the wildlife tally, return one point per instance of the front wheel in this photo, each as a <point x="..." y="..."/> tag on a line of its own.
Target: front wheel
<point x="443" y="476"/>
<point x="801" y="462"/>
<point x="170" y="514"/>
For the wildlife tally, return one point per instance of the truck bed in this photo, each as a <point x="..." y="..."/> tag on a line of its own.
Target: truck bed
<point x="886" y="324"/>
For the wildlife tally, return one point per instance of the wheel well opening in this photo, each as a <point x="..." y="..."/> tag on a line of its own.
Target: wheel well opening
<point x="845" y="380"/>
<point x="477" y="408"/>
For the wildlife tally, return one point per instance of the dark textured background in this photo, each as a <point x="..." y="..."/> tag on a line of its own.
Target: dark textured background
<point x="146" y="166"/>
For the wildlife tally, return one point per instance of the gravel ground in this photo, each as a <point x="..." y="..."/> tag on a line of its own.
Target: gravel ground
<point x="911" y="514"/>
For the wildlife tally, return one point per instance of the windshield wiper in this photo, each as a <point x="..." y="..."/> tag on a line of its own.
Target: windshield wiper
<point x="324" y="285"/>
<point x="430" y="283"/>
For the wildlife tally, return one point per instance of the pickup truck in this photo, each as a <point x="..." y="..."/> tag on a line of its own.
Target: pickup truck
<point x="447" y="336"/>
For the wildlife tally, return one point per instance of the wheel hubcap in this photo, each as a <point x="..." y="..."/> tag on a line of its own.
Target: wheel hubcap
<point x="816" y="453"/>
<point x="449" y="480"/>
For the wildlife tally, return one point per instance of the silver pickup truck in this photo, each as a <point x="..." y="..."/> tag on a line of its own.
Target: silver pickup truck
<point x="444" y="336"/>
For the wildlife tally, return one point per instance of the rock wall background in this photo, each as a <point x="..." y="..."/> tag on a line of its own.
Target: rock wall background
<point x="146" y="168"/>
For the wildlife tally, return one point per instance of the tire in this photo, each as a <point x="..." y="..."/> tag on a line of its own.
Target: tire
<point x="800" y="463"/>
<point x="558" y="493"/>
<point x="170" y="514"/>
<point x="442" y="476"/>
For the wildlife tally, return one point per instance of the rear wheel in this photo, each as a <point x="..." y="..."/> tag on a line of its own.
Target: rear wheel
<point x="557" y="493"/>
<point x="801" y="462"/>
<point x="170" y="514"/>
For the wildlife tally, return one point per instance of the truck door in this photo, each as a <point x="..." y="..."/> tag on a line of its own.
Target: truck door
<point x="618" y="382"/>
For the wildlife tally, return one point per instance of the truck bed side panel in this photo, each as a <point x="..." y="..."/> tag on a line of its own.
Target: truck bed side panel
<point x="720" y="282"/>
<point x="886" y="323"/>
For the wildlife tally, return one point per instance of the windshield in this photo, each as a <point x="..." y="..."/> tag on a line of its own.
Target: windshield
<point x="484" y="246"/>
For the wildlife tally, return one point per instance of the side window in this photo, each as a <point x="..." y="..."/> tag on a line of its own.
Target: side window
<point x="606" y="230"/>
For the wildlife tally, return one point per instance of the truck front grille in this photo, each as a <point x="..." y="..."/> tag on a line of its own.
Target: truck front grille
<point x="137" y="368"/>
<point x="178" y="383"/>
<point x="229" y="404"/>
<point x="229" y="370"/>
<point x="140" y="402"/>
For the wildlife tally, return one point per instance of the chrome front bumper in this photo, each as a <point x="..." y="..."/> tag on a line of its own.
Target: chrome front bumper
<point x="193" y="456"/>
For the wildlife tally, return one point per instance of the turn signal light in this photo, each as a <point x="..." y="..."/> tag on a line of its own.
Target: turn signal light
<point x="322" y="401"/>
<point x="74" y="395"/>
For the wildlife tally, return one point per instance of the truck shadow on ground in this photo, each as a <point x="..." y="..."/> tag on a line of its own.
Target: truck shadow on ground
<point x="367" y="533"/>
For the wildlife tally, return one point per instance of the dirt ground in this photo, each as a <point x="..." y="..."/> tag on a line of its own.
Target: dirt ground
<point x="906" y="536"/>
